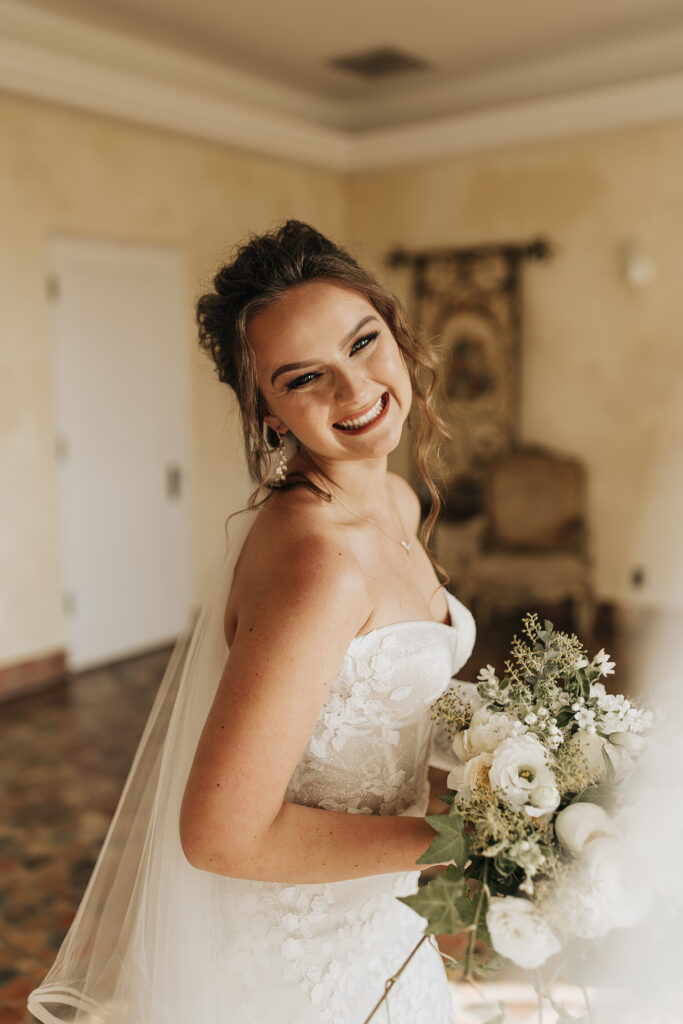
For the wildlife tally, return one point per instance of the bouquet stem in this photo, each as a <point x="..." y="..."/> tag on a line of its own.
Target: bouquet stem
<point x="483" y="888"/>
<point x="390" y="982"/>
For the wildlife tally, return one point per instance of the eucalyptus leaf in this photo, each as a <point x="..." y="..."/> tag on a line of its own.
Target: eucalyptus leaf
<point x="450" y="843"/>
<point x="609" y="767"/>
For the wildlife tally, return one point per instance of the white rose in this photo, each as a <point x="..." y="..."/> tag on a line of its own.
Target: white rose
<point x="519" y="933"/>
<point x="613" y="886"/>
<point x="519" y="768"/>
<point x="580" y="823"/>
<point x="474" y="774"/>
<point x="486" y="731"/>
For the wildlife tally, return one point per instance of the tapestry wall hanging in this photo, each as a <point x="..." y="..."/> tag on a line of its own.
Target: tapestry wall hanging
<point x="469" y="301"/>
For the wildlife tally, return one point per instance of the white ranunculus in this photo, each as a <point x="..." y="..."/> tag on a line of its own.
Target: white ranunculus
<point x="520" y="767"/>
<point x="579" y="824"/>
<point x="614" y="889"/>
<point x="519" y="933"/>
<point x="474" y="774"/>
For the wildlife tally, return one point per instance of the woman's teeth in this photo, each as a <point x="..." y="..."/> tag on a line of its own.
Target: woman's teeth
<point x="363" y="420"/>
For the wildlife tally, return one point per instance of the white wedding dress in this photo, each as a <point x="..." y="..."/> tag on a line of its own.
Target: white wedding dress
<point x="157" y="941"/>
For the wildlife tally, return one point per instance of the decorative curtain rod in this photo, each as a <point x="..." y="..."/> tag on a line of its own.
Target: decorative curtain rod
<point x="538" y="249"/>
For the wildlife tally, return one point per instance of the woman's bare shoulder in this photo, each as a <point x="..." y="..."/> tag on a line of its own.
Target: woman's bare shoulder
<point x="296" y="557"/>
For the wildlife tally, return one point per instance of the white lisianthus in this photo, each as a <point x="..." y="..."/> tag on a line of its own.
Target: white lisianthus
<point x="542" y="800"/>
<point x="519" y="769"/>
<point x="579" y="824"/>
<point x="519" y="933"/>
<point x="474" y="774"/>
<point x="486" y="730"/>
<point x="592" y="746"/>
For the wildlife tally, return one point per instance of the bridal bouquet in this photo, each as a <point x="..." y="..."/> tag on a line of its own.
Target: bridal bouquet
<point x="533" y="823"/>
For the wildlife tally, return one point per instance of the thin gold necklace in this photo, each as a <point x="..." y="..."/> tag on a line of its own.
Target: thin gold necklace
<point x="405" y="544"/>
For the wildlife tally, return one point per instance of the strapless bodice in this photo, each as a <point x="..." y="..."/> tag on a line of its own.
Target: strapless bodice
<point x="369" y="748"/>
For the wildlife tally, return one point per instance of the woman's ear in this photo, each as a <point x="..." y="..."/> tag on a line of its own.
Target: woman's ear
<point x="274" y="423"/>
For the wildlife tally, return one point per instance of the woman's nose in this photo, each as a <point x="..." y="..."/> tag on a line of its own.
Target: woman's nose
<point x="351" y="389"/>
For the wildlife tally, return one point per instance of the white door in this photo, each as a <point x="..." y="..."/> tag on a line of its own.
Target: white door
<point x="121" y="425"/>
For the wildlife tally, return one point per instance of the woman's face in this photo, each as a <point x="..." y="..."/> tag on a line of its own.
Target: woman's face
<point x="330" y="371"/>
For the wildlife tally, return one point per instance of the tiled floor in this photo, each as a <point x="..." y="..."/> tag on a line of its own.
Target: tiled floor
<point x="65" y="755"/>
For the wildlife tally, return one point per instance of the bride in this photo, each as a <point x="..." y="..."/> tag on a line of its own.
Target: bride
<point x="275" y="807"/>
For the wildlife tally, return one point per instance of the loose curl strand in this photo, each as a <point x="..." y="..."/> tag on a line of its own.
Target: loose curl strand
<point x="262" y="270"/>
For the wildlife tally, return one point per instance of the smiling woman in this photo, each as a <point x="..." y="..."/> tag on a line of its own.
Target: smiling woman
<point x="276" y="805"/>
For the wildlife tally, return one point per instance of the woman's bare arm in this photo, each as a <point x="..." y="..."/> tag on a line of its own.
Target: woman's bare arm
<point x="295" y="625"/>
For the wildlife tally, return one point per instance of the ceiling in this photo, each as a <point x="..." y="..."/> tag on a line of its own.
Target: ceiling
<point x="276" y="57"/>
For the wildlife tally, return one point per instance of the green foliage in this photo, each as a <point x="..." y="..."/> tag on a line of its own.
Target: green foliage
<point x="450" y="842"/>
<point x="444" y="903"/>
<point x="609" y="767"/>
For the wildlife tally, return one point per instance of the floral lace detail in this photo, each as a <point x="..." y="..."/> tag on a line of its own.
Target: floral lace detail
<point x="325" y="951"/>
<point x="368" y="751"/>
<point x="331" y="944"/>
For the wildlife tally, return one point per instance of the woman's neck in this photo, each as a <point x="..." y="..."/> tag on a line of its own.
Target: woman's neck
<point x="361" y="483"/>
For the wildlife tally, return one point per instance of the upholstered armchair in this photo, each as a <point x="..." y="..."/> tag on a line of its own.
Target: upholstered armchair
<point x="534" y="542"/>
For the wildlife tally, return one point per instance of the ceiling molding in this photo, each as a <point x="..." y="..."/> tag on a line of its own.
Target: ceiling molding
<point x="533" y="121"/>
<point x="52" y="58"/>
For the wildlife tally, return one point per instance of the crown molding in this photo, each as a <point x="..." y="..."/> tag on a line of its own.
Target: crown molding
<point x="533" y="121"/>
<point x="56" y="59"/>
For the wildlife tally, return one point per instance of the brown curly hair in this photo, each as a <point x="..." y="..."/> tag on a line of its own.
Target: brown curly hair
<point x="263" y="269"/>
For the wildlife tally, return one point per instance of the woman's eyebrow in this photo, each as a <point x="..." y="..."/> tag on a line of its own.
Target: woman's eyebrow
<point x="300" y="366"/>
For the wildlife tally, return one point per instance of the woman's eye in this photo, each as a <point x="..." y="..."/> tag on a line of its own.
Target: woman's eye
<point x="360" y="343"/>
<point x="299" y="382"/>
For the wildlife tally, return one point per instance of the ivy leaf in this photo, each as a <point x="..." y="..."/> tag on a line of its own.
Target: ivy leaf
<point x="450" y="843"/>
<point x="444" y="903"/>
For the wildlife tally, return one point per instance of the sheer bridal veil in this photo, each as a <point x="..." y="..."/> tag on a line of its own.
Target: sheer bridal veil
<point x="144" y="947"/>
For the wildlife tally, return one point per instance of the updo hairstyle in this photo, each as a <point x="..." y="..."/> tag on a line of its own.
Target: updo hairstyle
<point x="263" y="269"/>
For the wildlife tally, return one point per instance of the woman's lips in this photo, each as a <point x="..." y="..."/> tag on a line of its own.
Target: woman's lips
<point x="384" y="399"/>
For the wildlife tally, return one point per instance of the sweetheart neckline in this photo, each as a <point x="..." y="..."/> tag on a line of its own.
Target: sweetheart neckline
<point x="414" y="622"/>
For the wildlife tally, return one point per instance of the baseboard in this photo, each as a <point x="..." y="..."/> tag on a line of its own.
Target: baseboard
<point x="26" y="677"/>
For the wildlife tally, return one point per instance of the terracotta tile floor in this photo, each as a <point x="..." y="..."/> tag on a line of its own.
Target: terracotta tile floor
<point x="65" y="755"/>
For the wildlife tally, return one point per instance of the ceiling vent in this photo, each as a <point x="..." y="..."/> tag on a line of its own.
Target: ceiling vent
<point x="379" y="63"/>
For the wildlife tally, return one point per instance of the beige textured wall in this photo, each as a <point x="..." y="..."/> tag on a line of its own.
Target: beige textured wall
<point x="602" y="364"/>
<point x="66" y="172"/>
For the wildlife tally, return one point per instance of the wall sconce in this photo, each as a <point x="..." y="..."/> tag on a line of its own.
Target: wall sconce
<point x="637" y="269"/>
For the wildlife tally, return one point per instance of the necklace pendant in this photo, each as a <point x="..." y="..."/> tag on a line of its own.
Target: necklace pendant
<point x="407" y="546"/>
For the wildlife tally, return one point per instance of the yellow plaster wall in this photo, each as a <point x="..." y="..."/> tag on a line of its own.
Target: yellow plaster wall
<point x="602" y="371"/>
<point x="72" y="173"/>
<point x="602" y="368"/>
